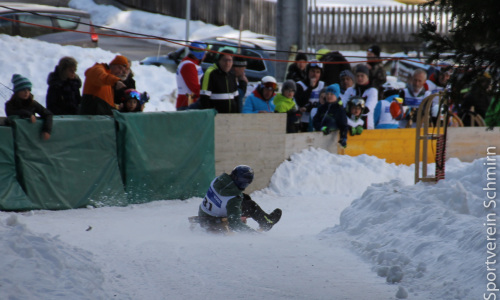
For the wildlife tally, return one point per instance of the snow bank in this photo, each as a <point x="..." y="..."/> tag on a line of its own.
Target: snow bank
<point x="429" y="237"/>
<point x="35" y="265"/>
<point x="316" y="171"/>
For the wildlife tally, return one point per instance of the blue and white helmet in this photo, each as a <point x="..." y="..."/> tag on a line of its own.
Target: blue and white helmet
<point x="196" y="49"/>
<point x="242" y="176"/>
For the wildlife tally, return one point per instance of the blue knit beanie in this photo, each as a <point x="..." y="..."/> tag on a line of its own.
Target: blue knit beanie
<point x="334" y="89"/>
<point x="20" y="83"/>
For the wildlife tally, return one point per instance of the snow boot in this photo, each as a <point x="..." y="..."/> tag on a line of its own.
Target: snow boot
<point x="270" y="220"/>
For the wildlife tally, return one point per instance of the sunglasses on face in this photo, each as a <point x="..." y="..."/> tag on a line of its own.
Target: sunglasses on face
<point x="271" y="86"/>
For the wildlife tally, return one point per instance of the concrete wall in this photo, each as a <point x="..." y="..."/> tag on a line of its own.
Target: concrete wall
<point x="260" y="141"/>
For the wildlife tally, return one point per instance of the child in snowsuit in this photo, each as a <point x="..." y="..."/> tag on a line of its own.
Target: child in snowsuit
<point x="23" y="105"/>
<point x="331" y="115"/>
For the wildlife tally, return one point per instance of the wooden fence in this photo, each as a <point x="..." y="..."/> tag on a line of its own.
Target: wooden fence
<point x="326" y="25"/>
<point x="377" y="24"/>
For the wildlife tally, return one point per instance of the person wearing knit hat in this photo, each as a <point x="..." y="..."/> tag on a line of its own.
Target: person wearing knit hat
<point x="333" y="89"/>
<point x="101" y="81"/>
<point x="297" y="70"/>
<point x="374" y="49"/>
<point x="120" y="60"/>
<point x="285" y="103"/>
<point x="20" y="83"/>
<point x="301" y="56"/>
<point x="238" y="70"/>
<point x="23" y="105"/>
<point x="362" y="69"/>
<point x="347" y="79"/>
<point x="332" y="115"/>
<point x="363" y="88"/>
<point x="289" y="85"/>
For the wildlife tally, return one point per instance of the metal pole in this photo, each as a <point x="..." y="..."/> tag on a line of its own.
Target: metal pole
<point x="188" y="19"/>
<point x="241" y="26"/>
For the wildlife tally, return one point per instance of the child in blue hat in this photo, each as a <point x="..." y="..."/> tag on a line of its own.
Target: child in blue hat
<point x="331" y="115"/>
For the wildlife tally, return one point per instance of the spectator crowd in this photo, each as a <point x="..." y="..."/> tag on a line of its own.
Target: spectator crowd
<point x="321" y="94"/>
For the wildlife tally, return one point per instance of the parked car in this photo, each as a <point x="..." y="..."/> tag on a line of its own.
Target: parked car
<point x="60" y="25"/>
<point x="256" y="68"/>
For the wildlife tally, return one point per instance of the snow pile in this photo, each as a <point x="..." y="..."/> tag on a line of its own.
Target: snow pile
<point x="428" y="238"/>
<point x="420" y="241"/>
<point x="333" y="174"/>
<point x="33" y="265"/>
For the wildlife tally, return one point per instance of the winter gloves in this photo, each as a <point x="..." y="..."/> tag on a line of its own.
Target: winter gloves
<point x="356" y="130"/>
<point x="342" y="141"/>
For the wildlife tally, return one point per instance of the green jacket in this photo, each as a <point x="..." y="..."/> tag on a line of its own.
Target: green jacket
<point x="283" y="104"/>
<point x="225" y="186"/>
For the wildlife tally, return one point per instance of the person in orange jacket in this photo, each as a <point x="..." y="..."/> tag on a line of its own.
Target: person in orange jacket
<point x="101" y="80"/>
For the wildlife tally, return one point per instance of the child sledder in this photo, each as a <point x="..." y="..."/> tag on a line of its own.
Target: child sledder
<point x="225" y="207"/>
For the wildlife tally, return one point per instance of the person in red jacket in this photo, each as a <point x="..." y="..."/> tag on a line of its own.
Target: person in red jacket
<point x="188" y="75"/>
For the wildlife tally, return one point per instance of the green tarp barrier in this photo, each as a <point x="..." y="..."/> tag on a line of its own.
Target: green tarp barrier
<point x="166" y="155"/>
<point x="12" y="196"/>
<point x="76" y="167"/>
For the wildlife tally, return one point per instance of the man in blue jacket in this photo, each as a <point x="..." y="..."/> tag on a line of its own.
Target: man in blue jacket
<point x="261" y="99"/>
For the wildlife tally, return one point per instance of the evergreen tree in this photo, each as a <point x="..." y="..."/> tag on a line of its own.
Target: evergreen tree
<point x="473" y="43"/>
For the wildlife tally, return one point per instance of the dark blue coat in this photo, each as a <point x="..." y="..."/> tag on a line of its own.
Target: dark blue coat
<point x="333" y="116"/>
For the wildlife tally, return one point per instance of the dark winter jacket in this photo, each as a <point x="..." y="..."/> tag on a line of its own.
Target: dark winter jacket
<point x="27" y="108"/>
<point x="305" y="92"/>
<point x="377" y="76"/>
<point x="296" y="74"/>
<point x="129" y="84"/>
<point x="219" y="91"/>
<point x="63" y="96"/>
<point x="333" y="116"/>
<point x="331" y="72"/>
<point x="225" y="186"/>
